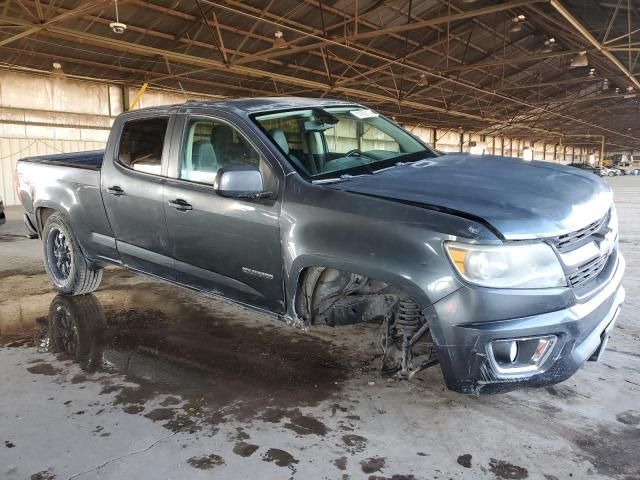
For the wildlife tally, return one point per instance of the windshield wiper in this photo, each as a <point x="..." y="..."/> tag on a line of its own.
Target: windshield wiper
<point x="342" y="178"/>
<point x="399" y="164"/>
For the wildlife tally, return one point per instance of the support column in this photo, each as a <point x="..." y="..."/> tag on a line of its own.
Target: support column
<point x="125" y="98"/>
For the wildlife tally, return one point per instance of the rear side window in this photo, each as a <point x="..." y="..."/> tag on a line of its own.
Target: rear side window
<point x="141" y="144"/>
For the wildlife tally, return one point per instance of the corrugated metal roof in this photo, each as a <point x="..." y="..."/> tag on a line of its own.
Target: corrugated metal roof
<point x="430" y="62"/>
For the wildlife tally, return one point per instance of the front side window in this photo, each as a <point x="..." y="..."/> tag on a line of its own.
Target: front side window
<point x="141" y="144"/>
<point x="328" y="142"/>
<point x="211" y="144"/>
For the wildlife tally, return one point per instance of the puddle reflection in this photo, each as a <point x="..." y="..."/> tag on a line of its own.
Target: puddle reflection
<point x="188" y="352"/>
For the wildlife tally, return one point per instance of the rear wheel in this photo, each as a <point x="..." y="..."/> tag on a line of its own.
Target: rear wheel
<point x="69" y="270"/>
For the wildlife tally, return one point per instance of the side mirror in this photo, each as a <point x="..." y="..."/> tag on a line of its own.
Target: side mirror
<point x="240" y="181"/>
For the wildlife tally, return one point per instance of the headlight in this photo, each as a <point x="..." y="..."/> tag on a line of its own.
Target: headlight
<point x="532" y="265"/>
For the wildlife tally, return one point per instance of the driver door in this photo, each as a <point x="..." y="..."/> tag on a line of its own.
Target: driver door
<point x="222" y="245"/>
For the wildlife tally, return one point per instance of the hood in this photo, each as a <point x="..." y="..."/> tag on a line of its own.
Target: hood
<point x="519" y="199"/>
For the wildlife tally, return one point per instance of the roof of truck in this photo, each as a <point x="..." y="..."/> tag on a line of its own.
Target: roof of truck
<point x="253" y="105"/>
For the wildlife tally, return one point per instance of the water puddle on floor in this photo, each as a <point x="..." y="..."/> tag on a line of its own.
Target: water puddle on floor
<point x="149" y="341"/>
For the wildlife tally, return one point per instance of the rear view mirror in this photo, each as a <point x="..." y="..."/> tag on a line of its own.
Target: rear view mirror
<point x="315" y="126"/>
<point x="322" y="116"/>
<point x="240" y="181"/>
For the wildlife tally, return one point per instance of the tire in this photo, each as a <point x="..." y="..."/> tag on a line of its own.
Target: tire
<point x="612" y="174"/>
<point x="69" y="270"/>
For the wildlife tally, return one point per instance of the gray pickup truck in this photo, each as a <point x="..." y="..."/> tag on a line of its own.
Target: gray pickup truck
<point x="323" y="212"/>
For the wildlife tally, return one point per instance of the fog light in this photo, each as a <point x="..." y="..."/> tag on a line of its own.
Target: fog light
<point x="505" y="351"/>
<point x="520" y="355"/>
<point x="541" y="349"/>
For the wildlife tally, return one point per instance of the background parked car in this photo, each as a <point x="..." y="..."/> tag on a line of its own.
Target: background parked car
<point x="589" y="168"/>
<point x="608" y="172"/>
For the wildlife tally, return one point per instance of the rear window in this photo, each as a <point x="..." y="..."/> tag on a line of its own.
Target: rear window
<point x="141" y="144"/>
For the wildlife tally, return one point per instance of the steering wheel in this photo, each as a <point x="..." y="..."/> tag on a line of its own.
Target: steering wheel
<point x="352" y="152"/>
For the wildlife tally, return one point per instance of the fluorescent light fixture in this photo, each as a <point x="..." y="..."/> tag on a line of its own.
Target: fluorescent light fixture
<point x="278" y="40"/>
<point x="580" y="60"/>
<point x="516" y="23"/>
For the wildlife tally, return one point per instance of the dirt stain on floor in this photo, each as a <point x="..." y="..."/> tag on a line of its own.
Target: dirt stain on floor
<point x="161" y="414"/>
<point x="44" y="369"/>
<point x="355" y="443"/>
<point x="280" y="457"/>
<point x="341" y="463"/>
<point x="244" y="449"/>
<point x="44" y="475"/>
<point x="372" y="464"/>
<point x="206" y="463"/>
<point x="297" y="421"/>
<point x="613" y="452"/>
<point x="506" y="470"/>
<point x="393" y="477"/>
<point x="133" y="409"/>
<point x="465" y="460"/>
<point x="561" y="391"/>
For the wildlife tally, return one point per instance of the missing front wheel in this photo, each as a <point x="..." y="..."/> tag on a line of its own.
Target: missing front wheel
<point x="406" y="341"/>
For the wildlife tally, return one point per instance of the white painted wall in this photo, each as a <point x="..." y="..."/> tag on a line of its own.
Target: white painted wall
<point x="42" y="115"/>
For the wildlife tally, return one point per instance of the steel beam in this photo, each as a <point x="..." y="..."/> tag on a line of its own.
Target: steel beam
<point x="531" y="58"/>
<point x="575" y="23"/>
<point x="86" y="8"/>
<point x="386" y="31"/>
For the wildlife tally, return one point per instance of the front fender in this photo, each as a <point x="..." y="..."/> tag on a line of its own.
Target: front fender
<point x="398" y="244"/>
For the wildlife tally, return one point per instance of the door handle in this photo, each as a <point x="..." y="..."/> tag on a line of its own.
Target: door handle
<point x="180" y="204"/>
<point x="115" y="191"/>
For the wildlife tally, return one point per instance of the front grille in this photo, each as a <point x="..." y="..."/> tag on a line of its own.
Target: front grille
<point x="588" y="271"/>
<point x="579" y="278"/>
<point x="571" y="241"/>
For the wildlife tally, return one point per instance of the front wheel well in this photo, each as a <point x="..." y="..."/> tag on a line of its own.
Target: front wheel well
<point x="328" y="296"/>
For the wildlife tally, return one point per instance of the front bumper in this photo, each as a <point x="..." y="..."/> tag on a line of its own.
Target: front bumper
<point x="581" y="329"/>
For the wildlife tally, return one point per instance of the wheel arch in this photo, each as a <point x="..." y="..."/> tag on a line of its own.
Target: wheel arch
<point x="45" y="210"/>
<point x="42" y="215"/>
<point x="302" y="265"/>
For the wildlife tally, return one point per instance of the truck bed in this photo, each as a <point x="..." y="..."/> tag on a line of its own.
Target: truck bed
<point x="91" y="160"/>
<point x="70" y="184"/>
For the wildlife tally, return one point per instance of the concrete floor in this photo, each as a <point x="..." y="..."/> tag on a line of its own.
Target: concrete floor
<point x="149" y="381"/>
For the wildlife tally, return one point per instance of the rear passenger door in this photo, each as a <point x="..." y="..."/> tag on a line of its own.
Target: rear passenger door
<point x="132" y="188"/>
<point x="222" y="245"/>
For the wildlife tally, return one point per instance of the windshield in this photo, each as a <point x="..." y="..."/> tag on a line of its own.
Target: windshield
<point x="330" y="142"/>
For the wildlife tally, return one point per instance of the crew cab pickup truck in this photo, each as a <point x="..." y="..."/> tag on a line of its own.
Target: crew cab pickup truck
<point x="323" y="212"/>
